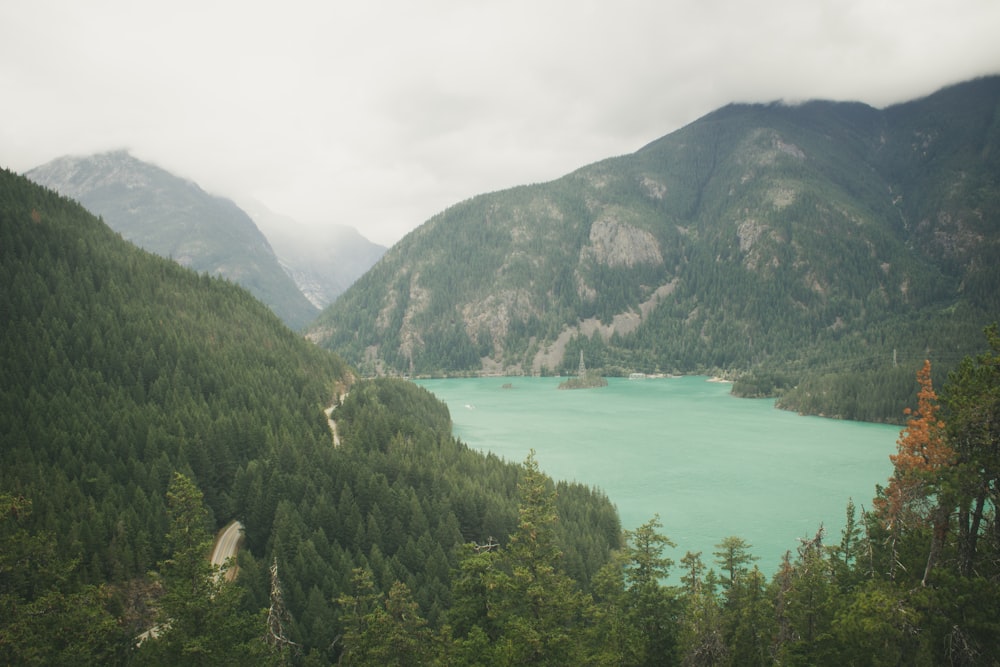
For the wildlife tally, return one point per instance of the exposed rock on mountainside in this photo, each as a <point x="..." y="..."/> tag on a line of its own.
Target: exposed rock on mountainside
<point x="616" y="243"/>
<point x="818" y="238"/>
<point x="175" y="218"/>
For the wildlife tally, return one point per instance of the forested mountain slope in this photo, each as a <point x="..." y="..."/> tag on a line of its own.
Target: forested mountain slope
<point x="119" y="367"/>
<point x="824" y="246"/>
<point x="175" y="218"/>
<point x="142" y="405"/>
<point x="120" y="370"/>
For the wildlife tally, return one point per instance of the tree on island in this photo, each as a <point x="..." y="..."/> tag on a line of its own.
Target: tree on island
<point x="585" y="379"/>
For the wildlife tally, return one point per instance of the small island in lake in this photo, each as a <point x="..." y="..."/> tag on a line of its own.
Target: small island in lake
<point x="585" y="379"/>
<point x="589" y="380"/>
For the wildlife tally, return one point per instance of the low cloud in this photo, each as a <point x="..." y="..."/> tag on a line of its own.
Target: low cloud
<point x="378" y="115"/>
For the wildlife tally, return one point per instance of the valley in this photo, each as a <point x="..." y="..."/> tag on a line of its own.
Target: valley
<point x="832" y="257"/>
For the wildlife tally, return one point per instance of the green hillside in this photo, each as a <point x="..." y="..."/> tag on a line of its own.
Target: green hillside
<point x="120" y="370"/>
<point x="143" y="405"/>
<point x="120" y="367"/>
<point x="820" y="251"/>
<point x="175" y="218"/>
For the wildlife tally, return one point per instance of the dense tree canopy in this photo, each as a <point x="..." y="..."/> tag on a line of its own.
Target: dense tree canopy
<point x="119" y="369"/>
<point x="142" y="405"/>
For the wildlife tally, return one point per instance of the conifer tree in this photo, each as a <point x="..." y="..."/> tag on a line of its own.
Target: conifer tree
<point x="357" y="611"/>
<point x="701" y="638"/>
<point x="652" y="605"/>
<point x="200" y="620"/>
<point x="734" y="558"/>
<point x="808" y="604"/>
<point x="46" y="619"/>
<point x="615" y="640"/>
<point x="972" y="405"/>
<point x="538" y="608"/>
<point x="916" y="494"/>
<point x="390" y="630"/>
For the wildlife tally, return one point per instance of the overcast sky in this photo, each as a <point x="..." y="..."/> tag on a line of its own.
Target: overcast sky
<point x="379" y="114"/>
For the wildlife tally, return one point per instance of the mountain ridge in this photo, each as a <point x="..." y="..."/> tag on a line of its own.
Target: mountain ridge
<point x="175" y="218"/>
<point x="789" y="236"/>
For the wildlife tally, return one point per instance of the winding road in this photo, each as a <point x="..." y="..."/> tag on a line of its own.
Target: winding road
<point x="227" y="545"/>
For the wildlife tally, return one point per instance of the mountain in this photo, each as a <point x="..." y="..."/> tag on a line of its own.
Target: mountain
<point x="323" y="262"/>
<point x="143" y="405"/>
<point x="780" y="243"/>
<point x="175" y="218"/>
<point x="121" y="371"/>
<point x="119" y="367"/>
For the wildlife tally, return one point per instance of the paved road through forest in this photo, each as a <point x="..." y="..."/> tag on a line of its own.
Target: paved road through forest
<point x="227" y="544"/>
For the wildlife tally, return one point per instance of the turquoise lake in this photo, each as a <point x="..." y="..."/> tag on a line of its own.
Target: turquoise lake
<point x="709" y="464"/>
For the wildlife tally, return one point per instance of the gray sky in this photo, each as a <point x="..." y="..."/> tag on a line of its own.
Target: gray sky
<point x="380" y="113"/>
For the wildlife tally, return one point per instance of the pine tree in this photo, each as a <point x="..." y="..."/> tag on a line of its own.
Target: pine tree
<point x="652" y="606"/>
<point x="972" y="404"/>
<point x="734" y="558"/>
<point x="384" y="630"/>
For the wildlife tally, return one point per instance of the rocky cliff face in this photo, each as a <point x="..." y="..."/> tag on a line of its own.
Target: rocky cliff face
<point x="616" y="243"/>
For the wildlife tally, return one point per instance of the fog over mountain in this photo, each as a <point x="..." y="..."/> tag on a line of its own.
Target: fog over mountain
<point x="174" y="217"/>
<point x="322" y="260"/>
<point x="785" y="242"/>
<point x="380" y="115"/>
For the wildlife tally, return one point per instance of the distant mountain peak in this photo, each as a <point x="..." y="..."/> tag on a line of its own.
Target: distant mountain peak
<point x="79" y="175"/>
<point x="174" y="217"/>
<point x="323" y="260"/>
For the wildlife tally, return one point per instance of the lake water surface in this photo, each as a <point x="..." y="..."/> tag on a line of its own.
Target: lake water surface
<point x="709" y="464"/>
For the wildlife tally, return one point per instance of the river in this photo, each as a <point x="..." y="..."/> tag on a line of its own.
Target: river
<point x="709" y="464"/>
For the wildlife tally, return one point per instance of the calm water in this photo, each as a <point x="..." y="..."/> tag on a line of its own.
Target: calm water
<point x="709" y="464"/>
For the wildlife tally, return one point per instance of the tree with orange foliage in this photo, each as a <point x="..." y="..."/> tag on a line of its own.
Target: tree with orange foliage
<point x="915" y="494"/>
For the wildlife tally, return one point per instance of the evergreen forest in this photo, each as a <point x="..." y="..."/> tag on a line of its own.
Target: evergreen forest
<point x="173" y="217"/>
<point x="144" y="406"/>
